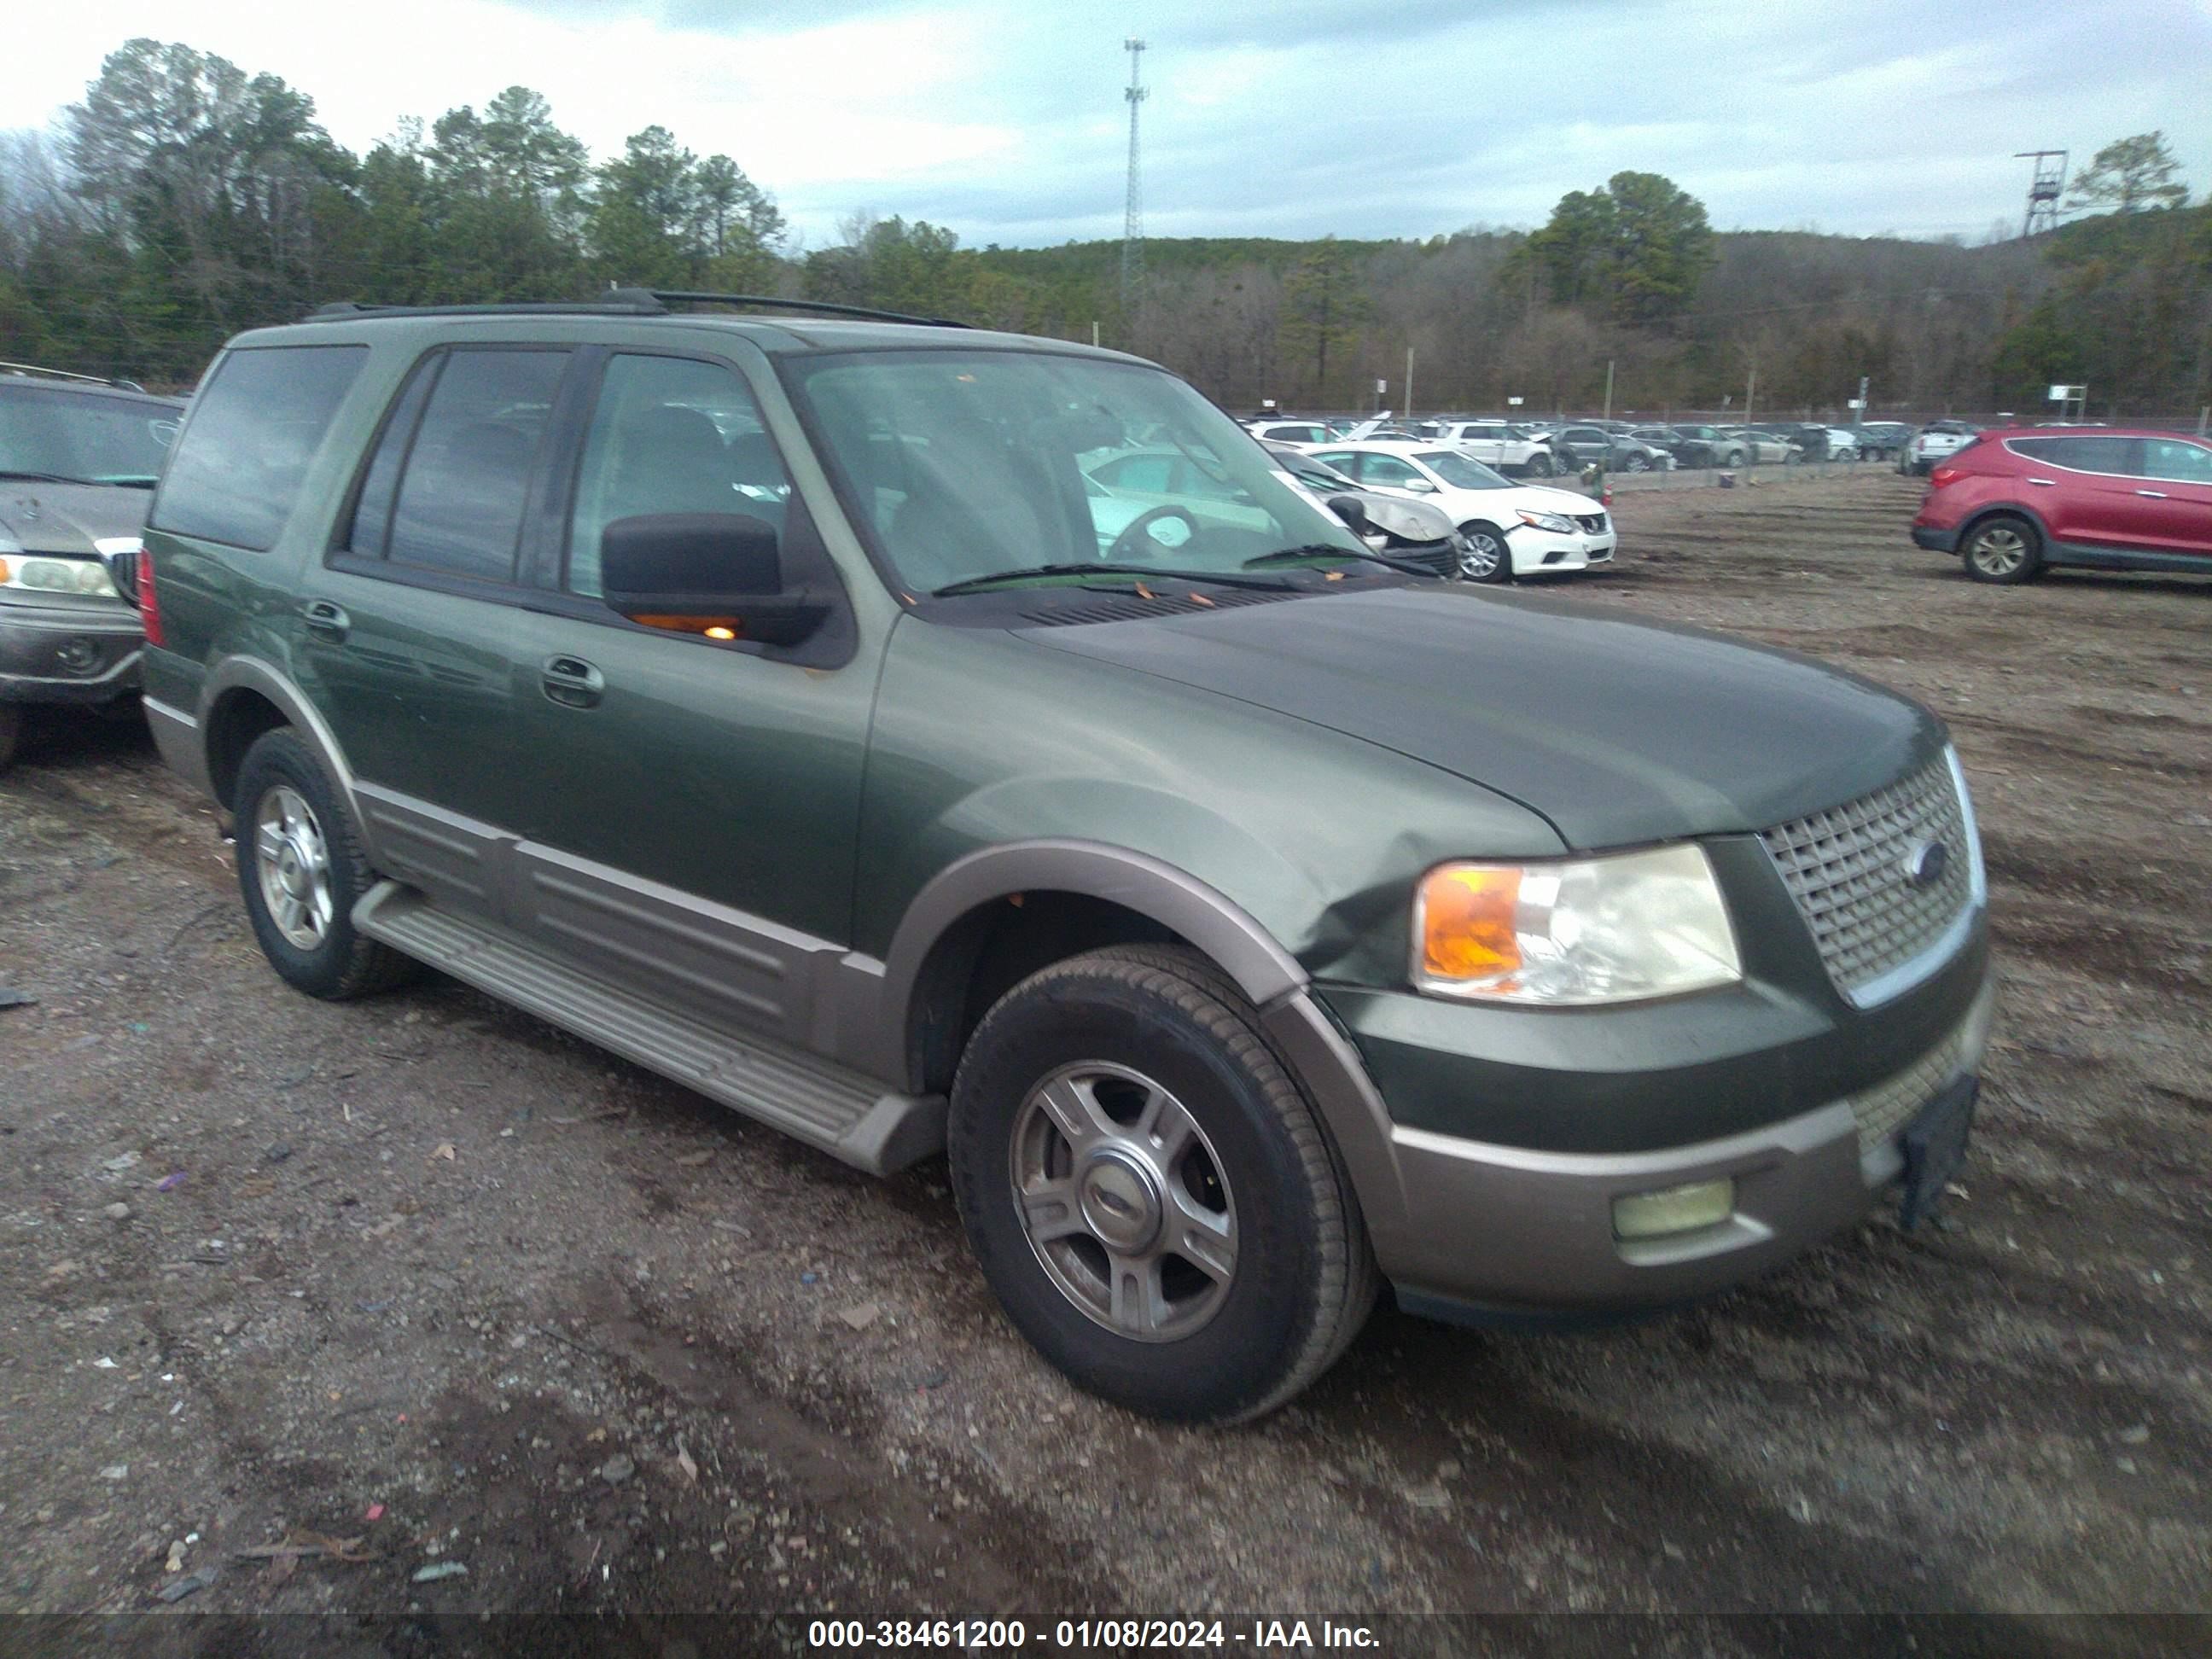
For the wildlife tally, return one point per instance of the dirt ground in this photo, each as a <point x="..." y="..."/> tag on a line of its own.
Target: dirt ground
<point x="425" y="1273"/>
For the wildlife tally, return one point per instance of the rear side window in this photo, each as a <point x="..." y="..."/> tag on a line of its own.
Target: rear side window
<point x="467" y="468"/>
<point x="2093" y="454"/>
<point x="254" y="428"/>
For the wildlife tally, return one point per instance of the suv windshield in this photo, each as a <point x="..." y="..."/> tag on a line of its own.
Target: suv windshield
<point x="1461" y="471"/>
<point x="970" y="464"/>
<point x="84" y="438"/>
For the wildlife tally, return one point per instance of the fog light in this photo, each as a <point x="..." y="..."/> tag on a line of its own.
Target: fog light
<point x="1673" y="1209"/>
<point x="77" y="655"/>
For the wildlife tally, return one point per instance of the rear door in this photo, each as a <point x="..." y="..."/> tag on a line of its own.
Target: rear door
<point x="405" y="632"/>
<point x="2094" y="501"/>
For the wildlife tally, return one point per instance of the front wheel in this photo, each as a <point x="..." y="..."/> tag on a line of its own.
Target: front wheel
<point x="1540" y="465"/>
<point x="302" y="869"/>
<point x="1150" y="1196"/>
<point x="1636" y="464"/>
<point x="1484" y="557"/>
<point x="2004" y="550"/>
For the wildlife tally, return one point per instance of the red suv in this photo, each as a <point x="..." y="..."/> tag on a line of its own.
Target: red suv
<point x="2013" y="502"/>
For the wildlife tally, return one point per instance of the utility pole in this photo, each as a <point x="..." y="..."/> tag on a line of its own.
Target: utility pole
<point x="1132" y="218"/>
<point x="1409" y="383"/>
<point x="1859" y="414"/>
<point x="1750" y="386"/>
<point x="1608" y="388"/>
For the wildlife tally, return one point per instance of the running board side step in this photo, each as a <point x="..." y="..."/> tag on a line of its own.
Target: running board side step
<point x="846" y="1114"/>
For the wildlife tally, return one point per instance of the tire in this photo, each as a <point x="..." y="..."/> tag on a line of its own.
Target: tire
<point x="302" y="869"/>
<point x="11" y="732"/>
<point x="1736" y="457"/>
<point x="1636" y="464"/>
<point x="1540" y="465"/>
<point x="1493" y="557"/>
<point x="1155" y="1036"/>
<point x="2004" y="548"/>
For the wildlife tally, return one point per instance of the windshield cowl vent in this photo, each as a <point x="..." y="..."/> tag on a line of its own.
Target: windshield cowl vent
<point x="1130" y="607"/>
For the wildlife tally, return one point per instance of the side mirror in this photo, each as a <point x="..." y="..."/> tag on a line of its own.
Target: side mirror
<point x="703" y="572"/>
<point x="1352" y="510"/>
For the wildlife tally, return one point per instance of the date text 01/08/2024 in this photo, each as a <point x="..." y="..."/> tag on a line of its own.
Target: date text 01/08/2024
<point x="1113" y="1634"/>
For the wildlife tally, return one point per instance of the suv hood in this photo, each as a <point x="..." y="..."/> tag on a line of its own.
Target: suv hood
<point x="64" y="518"/>
<point x="1618" y="732"/>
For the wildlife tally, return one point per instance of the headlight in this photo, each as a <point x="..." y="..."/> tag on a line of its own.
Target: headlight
<point x="42" y="573"/>
<point x="1617" y="929"/>
<point x="1550" y="521"/>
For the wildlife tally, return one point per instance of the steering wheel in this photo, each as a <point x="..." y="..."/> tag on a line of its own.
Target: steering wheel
<point x="1124" y="548"/>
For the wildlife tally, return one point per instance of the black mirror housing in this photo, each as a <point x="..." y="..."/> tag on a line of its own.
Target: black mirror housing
<point x="709" y="569"/>
<point x="1352" y="510"/>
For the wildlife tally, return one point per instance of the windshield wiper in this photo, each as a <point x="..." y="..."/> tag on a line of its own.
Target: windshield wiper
<point x="1331" y="550"/>
<point x="1095" y="568"/>
<point x="41" y="477"/>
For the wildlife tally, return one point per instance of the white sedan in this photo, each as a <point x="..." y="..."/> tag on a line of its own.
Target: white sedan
<point x="1512" y="529"/>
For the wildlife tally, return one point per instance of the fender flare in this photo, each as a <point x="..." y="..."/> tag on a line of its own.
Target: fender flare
<point x="1320" y="1053"/>
<point x="2017" y="509"/>
<point x="1210" y="920"/>
<point x="252" y="674"/>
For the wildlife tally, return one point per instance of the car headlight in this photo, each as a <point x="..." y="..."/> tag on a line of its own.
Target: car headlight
<point x="43" y="573"/>
<point x="1615" y="929"/>
<point x="1550" y="521"/>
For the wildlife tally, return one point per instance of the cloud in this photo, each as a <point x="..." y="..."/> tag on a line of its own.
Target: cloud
<point x="1293" y="118"/>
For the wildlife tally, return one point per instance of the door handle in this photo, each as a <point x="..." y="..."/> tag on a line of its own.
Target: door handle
<point x="2047" y="483"/>
<point x="2156" y="495"/>
<point x="325" y="620"/>
<point x="573" y="682"/>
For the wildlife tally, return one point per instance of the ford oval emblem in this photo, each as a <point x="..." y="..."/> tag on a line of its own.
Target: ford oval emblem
<point x="1925" y="864"/>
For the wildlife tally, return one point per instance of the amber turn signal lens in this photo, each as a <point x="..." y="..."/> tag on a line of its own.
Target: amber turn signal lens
<point x="1466" y="920"/>
<point x="719" y="632"/>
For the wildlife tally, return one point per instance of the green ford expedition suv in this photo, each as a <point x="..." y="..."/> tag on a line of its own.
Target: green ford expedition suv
<point x="797" y="707"/>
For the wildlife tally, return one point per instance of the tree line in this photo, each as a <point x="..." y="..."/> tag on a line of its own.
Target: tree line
<point x="183" y="199"/>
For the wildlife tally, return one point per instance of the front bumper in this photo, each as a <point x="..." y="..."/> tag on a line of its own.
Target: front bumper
<point x="1537" y="552"/>
<point x="1935" y="540"/>
<point x="1478" y="1228"/>
<point x="68" y="653"/>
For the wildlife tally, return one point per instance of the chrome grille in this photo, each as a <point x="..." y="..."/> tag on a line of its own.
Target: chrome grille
<point x="1846" y="868"/>
<point x="1884" y="1110"/>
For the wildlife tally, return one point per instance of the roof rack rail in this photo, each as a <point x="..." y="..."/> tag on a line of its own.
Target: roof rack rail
<point x="618" y="302"/>
<point x="621" y="302"/>
<point x="67" y="375"/>
<point x="774" y="302"/>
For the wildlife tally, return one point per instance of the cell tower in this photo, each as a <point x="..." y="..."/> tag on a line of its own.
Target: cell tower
<point x="2044" y="190"/>
<point x="1133" y="222"/>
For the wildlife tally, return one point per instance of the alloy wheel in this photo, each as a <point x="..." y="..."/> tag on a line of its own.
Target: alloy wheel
<point x="1999" y="550"/>
<point x="293" y="859"/>
<point x="1124" y="1201"/>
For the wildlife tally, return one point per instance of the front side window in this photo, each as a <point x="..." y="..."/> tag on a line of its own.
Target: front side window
<point x="458" y="510"/>
<point x="255" y="427"/>
<point x="2184" y="463"/>
<point x="961" y="465"/>
<point x="1462" y="471"/>
<point x="671" y="435"/>
<point x="82" y="437"/>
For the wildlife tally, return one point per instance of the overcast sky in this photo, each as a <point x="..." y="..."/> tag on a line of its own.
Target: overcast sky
<point x="1267" y="118"/>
